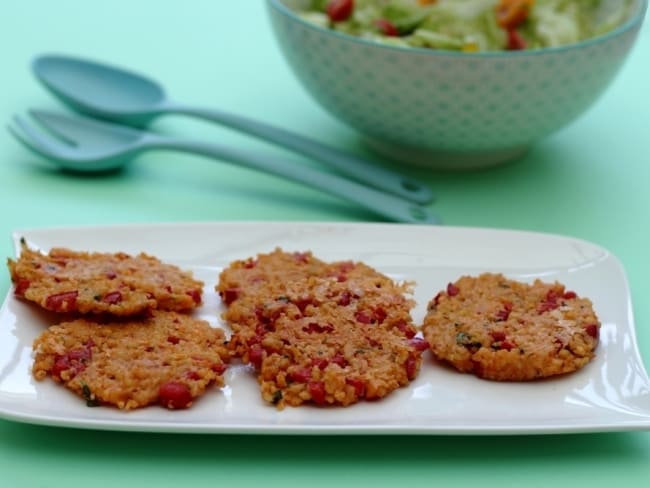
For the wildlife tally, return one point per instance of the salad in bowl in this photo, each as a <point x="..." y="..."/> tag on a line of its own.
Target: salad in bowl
<point x="471" y="25"/>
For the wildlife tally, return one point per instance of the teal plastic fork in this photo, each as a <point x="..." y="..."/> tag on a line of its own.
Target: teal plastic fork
<point x="90" y="146"/>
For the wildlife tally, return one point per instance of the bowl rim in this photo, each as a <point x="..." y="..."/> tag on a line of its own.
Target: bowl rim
<point x="634" y="22"/>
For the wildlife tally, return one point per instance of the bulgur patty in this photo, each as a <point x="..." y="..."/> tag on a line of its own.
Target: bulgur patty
<point x="317" y="332"/>
<point x="167" y="358"/>
<point x="115" y="283"/>
<point x="502" y="329"/>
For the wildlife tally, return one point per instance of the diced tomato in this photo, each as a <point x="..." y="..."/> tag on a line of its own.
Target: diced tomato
<point x="340" y="360"/>
<point x="302" y="303"/>
<point x="219" y="368"/>
<point x="592" y="330"/>
<point x="193" y="375"/>
<point x="411" y="366"/>
<point x="419" y="344"/>
<point x="175" y="395"/>
<point x="302" y="375"/>
<point x="339" y="10"/>
<point x="515" y="41"/>
<point x="261" y="330"/>
<point x="507" y="345"/>
<point x="195" y="295"/>
<point x="320" y="363"/>
<point x="363" y="317"/>
<point x="61" y="364"/>
<point x="317" y="392"/>
<point x="73" y="361"/>
<point x="230" y="295"/>
<point x="504" y="313"/>
<point x="379" y="314"/>
<point x="62" y="302"/>
<point x="551" y="302"/>
<point x="407" y="330"/>
<point x="498" y="335"/>
<point x="344" y="299"/>
<point x="250" y="263"/>
<point x="569" y="295"/>
<point x="314" y="327"/>
<point x="358" y="385"/>
<point x="21" y="287"/>
<point x="452" y="290"/>
<point x="173" y="339"/>
<point x="256" y="355"/>
<point x="112" y="298"/>
<point x="386" y="27"/>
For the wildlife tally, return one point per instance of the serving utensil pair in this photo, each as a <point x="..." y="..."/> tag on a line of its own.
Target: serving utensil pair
<point x="127" y="101"/>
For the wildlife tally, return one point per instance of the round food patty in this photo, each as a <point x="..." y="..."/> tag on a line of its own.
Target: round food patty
<point x="167" y="358"/>
<point x="501" y="329"/>
<point x="113" y="283"/>
<point x="316" y="332"/>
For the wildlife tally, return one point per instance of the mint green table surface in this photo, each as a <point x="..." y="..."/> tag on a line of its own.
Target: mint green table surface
<point x="589" y="180"/>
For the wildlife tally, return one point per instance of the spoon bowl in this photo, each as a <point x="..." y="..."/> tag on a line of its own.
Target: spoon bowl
<point x="119" y="95"/>
<point x="100" y="90"/>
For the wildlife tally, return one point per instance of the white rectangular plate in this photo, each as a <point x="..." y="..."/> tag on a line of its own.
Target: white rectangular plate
<point x="610" y="394"/>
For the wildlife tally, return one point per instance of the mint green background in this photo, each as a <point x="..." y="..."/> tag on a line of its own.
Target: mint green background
<point x="589" y="181"/>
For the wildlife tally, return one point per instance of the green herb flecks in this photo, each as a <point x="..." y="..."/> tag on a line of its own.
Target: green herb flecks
<point x="277" y="397"/>
<point x="464" y="339"/>
<point x="88" y="395"/>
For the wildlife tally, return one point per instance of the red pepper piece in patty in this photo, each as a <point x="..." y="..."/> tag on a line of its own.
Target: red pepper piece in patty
<point x="73" y="361"/>
<point x="195" y="295"/>
<point x="175" y="395"/>
<point x="452" y="290"/>
<point x="112" y="298"/>
<point x="358" y="385"/>
<point x="317" y="392"/>
<point x="592" y="330"/>
<point x="62" y="302"/>
<point x="21" y="287"/>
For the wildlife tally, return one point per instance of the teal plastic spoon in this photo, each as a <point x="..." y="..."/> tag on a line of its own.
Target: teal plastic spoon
<point x="118" y="95"/>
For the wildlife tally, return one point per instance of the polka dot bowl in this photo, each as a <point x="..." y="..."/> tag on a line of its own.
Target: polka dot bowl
<point x="446" y="109"/>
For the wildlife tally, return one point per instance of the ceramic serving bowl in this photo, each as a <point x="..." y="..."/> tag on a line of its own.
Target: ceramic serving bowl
<point x="444" y="109"/>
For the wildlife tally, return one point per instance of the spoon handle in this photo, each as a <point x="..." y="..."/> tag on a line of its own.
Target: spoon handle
<point x="390" y="206"/>
<point x="348" y="164"/>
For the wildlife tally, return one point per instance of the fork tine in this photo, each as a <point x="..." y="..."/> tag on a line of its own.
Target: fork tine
<point x="76" y="130"/>
<point x="30" y="138"/>
<point x="49" y="123"/>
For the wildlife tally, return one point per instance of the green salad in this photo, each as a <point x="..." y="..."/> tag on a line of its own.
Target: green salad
<point x="471" y="25"/>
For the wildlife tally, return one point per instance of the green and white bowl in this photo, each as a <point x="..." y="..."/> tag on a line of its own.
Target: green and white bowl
<point x="444" y="109"/>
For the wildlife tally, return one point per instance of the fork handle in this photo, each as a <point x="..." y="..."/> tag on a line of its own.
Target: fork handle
<point x="390" y="206"/>
<point x="348" y="164"/>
